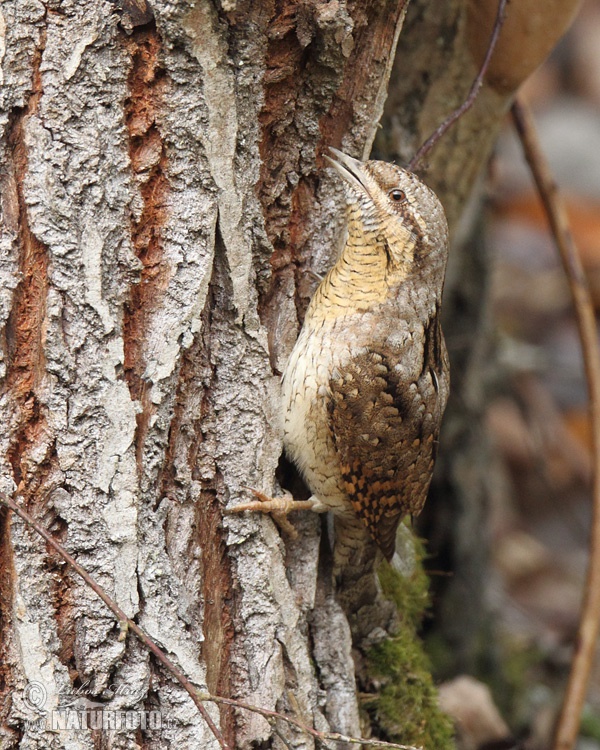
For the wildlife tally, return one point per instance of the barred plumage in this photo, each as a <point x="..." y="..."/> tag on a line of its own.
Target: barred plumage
<point x="366" y="385"/>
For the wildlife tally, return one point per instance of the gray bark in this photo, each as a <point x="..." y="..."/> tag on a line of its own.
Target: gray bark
<point x="162" y="206"/>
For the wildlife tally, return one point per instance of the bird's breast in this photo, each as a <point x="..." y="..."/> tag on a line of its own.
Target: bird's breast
<point x="306" y="392"/>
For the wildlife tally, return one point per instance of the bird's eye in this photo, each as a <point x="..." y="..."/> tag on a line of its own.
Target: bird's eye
<point x="397" y="195"/>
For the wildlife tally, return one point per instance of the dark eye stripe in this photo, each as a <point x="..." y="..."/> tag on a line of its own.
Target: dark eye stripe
<point x="397" y="195"/>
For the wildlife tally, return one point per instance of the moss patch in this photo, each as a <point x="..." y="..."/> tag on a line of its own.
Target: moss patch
<point x="405" y="706"/>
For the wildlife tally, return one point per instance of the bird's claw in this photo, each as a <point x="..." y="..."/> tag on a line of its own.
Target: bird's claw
<point x="278" y="507"/>
<point x="265" y="503"/>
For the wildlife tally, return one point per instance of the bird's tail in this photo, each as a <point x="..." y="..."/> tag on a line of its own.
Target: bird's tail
<point x="356" y="558"/>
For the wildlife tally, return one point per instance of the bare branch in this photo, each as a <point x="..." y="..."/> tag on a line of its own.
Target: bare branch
<point x="567" y="728"/>
<point x="322" y="736"/>
<point x="442" y="129"/>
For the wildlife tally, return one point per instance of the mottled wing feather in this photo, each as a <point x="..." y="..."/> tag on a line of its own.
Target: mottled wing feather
<point x="385" y="431"/>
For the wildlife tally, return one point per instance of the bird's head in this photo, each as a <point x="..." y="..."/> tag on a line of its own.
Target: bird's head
<point x="390" y="205"/>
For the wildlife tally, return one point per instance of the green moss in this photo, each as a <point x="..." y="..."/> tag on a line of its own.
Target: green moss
<point x="409" y="591"/>
<point x="405" y="706"/>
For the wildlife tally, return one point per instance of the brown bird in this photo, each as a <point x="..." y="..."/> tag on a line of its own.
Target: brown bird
<point x="366" y="384"/>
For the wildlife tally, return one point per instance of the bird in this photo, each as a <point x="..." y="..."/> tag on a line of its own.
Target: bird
<point x="366" y="384"/>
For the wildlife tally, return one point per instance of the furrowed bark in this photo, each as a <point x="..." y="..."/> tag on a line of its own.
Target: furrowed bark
<point x="163" y="204"/>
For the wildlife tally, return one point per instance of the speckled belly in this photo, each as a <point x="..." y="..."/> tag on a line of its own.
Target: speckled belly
<point x="307" y="436"/>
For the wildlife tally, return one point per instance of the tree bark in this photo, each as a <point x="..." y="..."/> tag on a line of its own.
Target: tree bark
<point x="163" y="206"/>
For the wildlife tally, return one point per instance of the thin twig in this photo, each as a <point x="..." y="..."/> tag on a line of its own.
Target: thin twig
<point x="415" y="162"/>
<point x="567" y="728"/>
<point x="196" y="694"/>
<point x="323" y="736"/>
<point x="191" y="689"/>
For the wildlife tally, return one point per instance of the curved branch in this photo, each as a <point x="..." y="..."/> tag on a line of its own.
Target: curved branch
<point x="567" y="728"/>
<point x="441" y="130"/>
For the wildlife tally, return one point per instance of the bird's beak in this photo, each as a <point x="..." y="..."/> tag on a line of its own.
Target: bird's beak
<point x="350" y="169"/>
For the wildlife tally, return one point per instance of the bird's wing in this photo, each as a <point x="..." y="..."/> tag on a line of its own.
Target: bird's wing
<point x="385" y="426"/>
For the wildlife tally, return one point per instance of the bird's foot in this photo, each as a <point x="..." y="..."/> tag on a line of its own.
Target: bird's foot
<point x="278" y="507"/>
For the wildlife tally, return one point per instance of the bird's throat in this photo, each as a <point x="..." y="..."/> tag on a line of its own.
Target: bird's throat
<point x="357" y="282"/>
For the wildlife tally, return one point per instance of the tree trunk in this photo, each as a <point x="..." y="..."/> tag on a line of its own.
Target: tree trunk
<point x="163" y="206"/>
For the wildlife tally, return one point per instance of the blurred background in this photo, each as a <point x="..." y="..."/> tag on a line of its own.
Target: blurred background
<point x="536" y="419"/>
